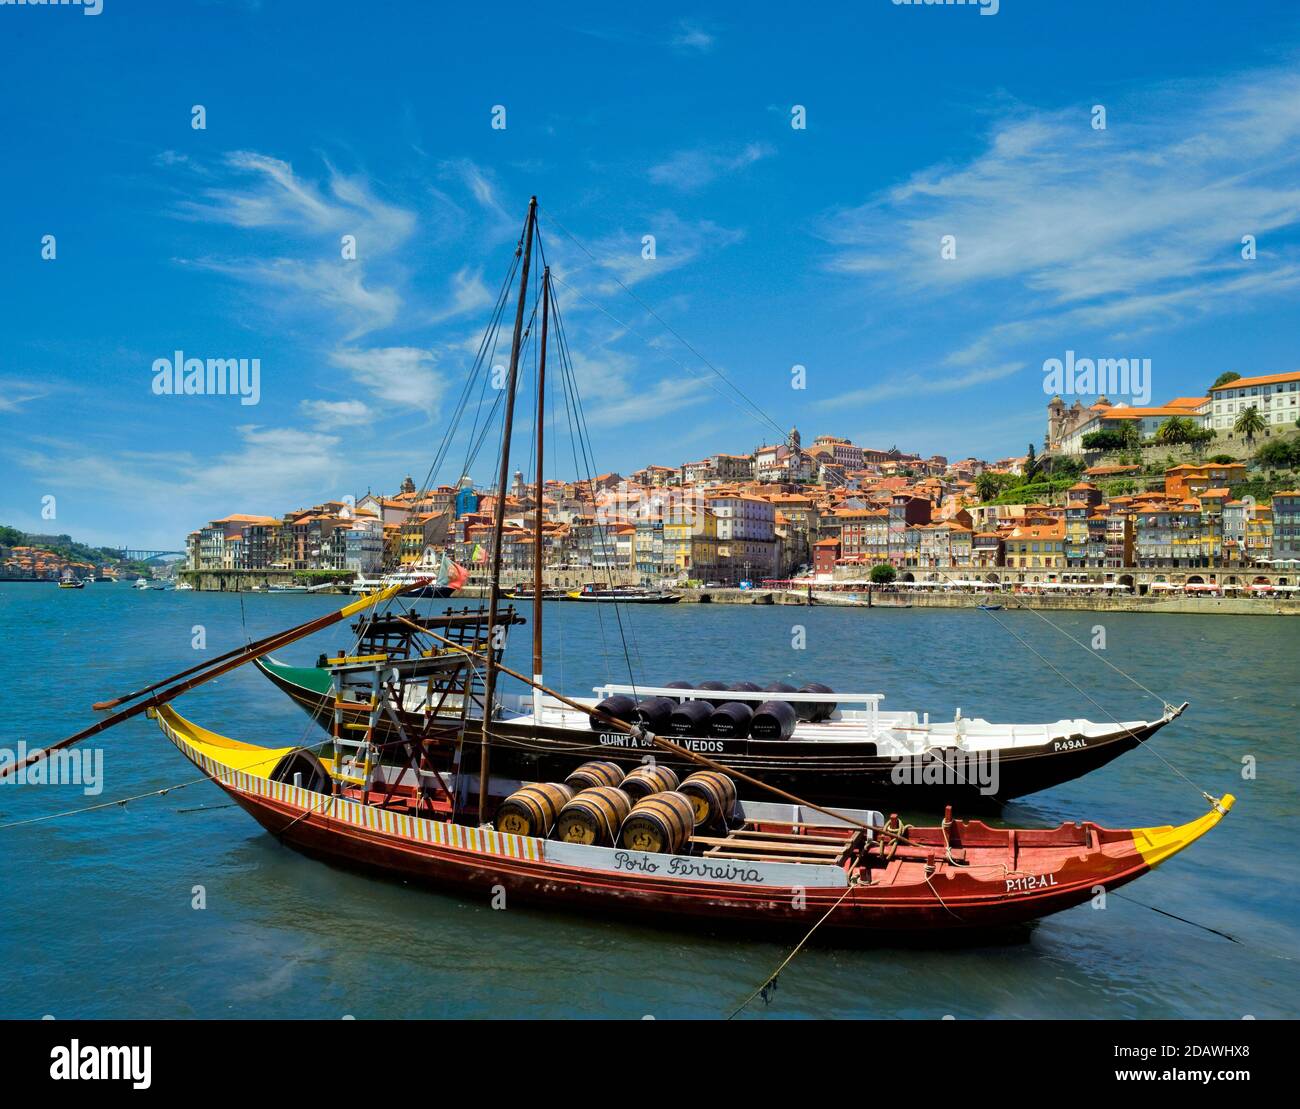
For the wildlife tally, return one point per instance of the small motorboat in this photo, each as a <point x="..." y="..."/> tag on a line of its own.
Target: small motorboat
<point x="141" y="583"/>
<point x="624" y="594"/>
<point x="72" y="583"/>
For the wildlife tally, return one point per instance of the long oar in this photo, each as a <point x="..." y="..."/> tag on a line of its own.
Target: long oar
<point x="215" y="670"/>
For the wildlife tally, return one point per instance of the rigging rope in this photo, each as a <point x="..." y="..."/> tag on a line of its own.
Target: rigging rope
<point x="1070" y="681"/>
<point x="755" y="410"/>
<point x="1128" y="677"/>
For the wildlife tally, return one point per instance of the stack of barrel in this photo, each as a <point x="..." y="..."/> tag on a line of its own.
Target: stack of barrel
<point x="723" y="718"/>
<point x="645" y="810"/>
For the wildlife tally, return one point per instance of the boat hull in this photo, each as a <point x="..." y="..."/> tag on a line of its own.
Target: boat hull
<point x="845" y="773"/>
<point x="1007" y="877"/>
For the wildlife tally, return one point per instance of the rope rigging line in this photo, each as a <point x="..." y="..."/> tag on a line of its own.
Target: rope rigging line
<point x="1083" y="646"/>
<point x="1079" y="689"/>
<point x="650" y="343"/>
<point x="755" y="410"/>
<point x="583" y="439"/>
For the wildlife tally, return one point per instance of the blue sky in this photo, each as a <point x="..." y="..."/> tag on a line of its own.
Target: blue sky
<point x="775" y="246"/>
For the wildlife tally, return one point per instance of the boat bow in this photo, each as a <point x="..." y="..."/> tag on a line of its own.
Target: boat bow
<point x="1155" y="845"/>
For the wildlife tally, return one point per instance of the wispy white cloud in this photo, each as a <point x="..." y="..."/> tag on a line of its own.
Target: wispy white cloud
<point x="677" y="242"/>
<point x="691" y="170"/>
<point x="399" y="376"/>
<point x="271" y="471"/>
<point x="1057" y="223"/>
<point x="265" y="192"/>
<point x="329" y="414"/>
<point x="469" y="293"/>
<point x="691" y="36"/>
<point x="16" y="392"/>
<point x="899" y="385"/>
<point x="333" y="289"/>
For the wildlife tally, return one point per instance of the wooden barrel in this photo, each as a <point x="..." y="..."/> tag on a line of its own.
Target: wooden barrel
<point x="531" y="811"/>
<point x="645" y="780"/>
<point x="730" y="719"/>
<point x="690" y="718"/>
<point x="661" y="824"/>
<point x="820" y="710"/>
<point x="712" y="796"/>
<point x="592" y="774"/>
<point x="593" y="816"/>
<point x="619" y="706"/>
<point x="654" y="713"/>
<point x="773" y="720"/>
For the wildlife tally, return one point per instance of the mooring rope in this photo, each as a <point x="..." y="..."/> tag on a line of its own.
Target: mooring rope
<point x="1173" y="916"/>
<point x="1102" y="658"/>
<point x="1096" y="704"/>
<point x="770" y="982"/>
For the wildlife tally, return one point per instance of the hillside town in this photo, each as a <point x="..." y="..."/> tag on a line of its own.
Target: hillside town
<point x="1094" y="505"/>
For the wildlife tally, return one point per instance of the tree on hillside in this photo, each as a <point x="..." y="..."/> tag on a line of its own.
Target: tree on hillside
<point x="1278" y="455"/>
<point x="1176" y="429"/>
<point x="1224" y="378"/>
<point x="1031" y="465"/>
<point x="1130" y="433"/>
<point x="1103" y="441"/>
<point x="1249" y="423"/>
<point x="987" y="486"/>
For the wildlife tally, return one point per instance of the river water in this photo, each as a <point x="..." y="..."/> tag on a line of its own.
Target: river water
<point x="99" y="906"/>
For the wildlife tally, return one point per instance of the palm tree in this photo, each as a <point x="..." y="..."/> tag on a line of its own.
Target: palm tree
<point x="1176" y="429"/>
<point x="987" y="486"/>
<point x="1249" y="423"/>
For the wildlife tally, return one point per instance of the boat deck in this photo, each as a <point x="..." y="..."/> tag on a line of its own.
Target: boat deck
<point x="894" y="733"/>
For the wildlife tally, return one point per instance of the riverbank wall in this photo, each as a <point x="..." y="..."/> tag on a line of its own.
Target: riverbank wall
<point x="246" y="581"/>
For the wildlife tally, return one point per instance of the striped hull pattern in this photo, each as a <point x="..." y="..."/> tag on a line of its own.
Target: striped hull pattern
<point x="480" y="863"/>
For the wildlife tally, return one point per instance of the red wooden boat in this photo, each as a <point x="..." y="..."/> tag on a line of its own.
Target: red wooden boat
<point x="868" y="875"/>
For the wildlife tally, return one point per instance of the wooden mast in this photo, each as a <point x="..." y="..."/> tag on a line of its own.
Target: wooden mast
<point x="499" y="514"/>
<point x="537" y="493"/>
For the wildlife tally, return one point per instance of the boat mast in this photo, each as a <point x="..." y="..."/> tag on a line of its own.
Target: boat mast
<point x="537" y="514"/>
<point x="499" y="513"/>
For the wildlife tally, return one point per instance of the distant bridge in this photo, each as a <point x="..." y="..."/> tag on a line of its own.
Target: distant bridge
<point x="128" y="555"/>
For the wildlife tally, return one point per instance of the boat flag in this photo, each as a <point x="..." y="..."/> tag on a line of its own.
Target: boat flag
<point x="459" y="576"/>
<point x="479" y="555"/>
<point x="444" y="572"/>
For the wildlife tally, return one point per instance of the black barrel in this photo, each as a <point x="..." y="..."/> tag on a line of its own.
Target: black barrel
<point x="619" y="705"/>
<point x="730" y="719"/>
<point x="654" y="713"/>
<point x="690" y="718"/>
<point x="819" y="710"/>
<point x="714" y="685"/>
<point x="779" y="687"/>
<point x="773" y="720"/>
<point x="746" y="687"/>
<point x="678" y="685"/>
